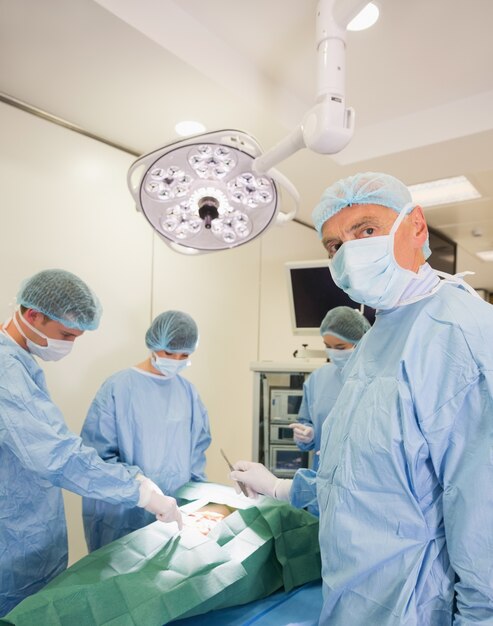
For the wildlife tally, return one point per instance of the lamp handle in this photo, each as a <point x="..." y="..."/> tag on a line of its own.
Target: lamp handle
<point x="287" y="185"/>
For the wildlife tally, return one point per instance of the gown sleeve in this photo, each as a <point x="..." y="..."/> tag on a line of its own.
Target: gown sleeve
<point x="33" y="428"/>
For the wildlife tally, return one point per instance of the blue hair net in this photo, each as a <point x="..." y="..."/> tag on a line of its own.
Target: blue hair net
<point x="367" y="188"/>
<point x="63" y="297"/>
<point x="346" y="323"/>
<point x="173" y="331"/>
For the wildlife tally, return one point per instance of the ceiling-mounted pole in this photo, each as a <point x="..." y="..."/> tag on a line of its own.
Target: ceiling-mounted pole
<point x="328" y="126"/>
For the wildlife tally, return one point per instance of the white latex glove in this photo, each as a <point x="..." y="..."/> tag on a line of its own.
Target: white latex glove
<point x="302" y="433"/>
<point x="165" y="509"/>
<point x="147" y="486"/>
<point x="153" y="500"/>
<point x="258" y="480"/>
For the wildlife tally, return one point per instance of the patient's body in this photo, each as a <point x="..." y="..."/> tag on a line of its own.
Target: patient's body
<point x="207" y="517"/>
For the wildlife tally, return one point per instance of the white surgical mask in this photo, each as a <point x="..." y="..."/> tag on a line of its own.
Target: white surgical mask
<point x="367" y="271"/>
<point x="169" y="367"/>
<point x="54" y="351"/>
<point x="338" y="357"/>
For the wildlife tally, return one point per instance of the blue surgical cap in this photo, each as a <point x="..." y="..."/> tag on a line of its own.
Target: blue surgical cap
<point x="346" y="323"/>
<point x="174" y="332"/>
<point x="63" y="297"/>
<point x="367" y="188"/>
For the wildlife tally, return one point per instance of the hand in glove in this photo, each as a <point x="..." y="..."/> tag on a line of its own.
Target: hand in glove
<point x="164" y="508"/>
<point x="147" y="486"/>
<point x="153" y="500"/>
<point x="302" y="433"/>
<point x="258" y="480"/>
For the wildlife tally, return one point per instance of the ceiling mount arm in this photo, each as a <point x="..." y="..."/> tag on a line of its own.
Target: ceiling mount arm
<point x="328" y="126"/>
<point x="282" y="150"/>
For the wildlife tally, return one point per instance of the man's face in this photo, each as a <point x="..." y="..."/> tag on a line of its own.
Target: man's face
<point x="372" y="220"/>
<point x="52" y="329"/>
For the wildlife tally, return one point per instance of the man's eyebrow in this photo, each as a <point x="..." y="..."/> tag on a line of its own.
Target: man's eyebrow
<point x="365" y="221"/>
<point x="369" y="220"/>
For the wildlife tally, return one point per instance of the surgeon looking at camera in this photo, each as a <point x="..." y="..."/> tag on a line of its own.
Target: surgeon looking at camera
<point x="406" y="466"/>
<point x="38" y="454"/>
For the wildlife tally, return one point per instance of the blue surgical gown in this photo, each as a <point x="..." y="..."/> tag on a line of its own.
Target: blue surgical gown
<point x="154" y="425"/>
<point x="38" y="456"/>
<point x="405" y="483"/>
<point x="303" y="494"/>
<point x="320" y="391"/>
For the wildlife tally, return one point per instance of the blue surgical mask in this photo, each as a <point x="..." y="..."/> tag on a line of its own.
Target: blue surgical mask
<point x="55" y="349"/>
<point x="169" y="367"/>
<point x="367" y="271"/>
<point x="338" y="357"/>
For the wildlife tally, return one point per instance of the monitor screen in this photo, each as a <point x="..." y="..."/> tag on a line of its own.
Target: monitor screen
<point x="286" y="460"/>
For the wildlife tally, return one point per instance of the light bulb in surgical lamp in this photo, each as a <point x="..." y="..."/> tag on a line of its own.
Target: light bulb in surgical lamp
<point x="201" y="194"/>
<point x="365" y="18"/>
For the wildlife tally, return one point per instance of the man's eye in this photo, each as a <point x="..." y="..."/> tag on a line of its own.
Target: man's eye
<point x="368" y="232"/>
<point x="332" y="248"/>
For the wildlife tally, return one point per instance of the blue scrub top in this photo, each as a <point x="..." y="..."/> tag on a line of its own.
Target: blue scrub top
<point x="38" y="456"/>
<point x="320" y="391"/>
<point x="153" y="425"/>
<point x="406" y="471"/>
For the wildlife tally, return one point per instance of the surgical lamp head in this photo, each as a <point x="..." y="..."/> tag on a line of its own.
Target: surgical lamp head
<point x="201" y="194"/>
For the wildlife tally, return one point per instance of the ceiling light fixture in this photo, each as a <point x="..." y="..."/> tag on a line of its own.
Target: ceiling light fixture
<point x="189" y="127"/>
<point x="443" y="191"/>
<point x="485" y="255"/>
<point x="217" y="190"/>
<point x="365" y="18"/>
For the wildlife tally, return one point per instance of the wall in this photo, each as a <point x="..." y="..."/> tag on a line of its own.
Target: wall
<point x="64" y="203"/>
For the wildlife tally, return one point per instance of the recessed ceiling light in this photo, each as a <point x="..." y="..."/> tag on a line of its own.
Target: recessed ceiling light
<point x="443" y="191"/>
<point x="189" y="127"/>
<point x="486" y="255"/>
<point x="365" y="18"/>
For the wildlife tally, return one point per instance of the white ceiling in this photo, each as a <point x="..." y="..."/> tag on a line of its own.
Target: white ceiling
<point x="420" y="80"/>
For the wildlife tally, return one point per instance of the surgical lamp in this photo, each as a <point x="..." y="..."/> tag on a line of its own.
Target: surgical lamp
<point x="217" y="190"/>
